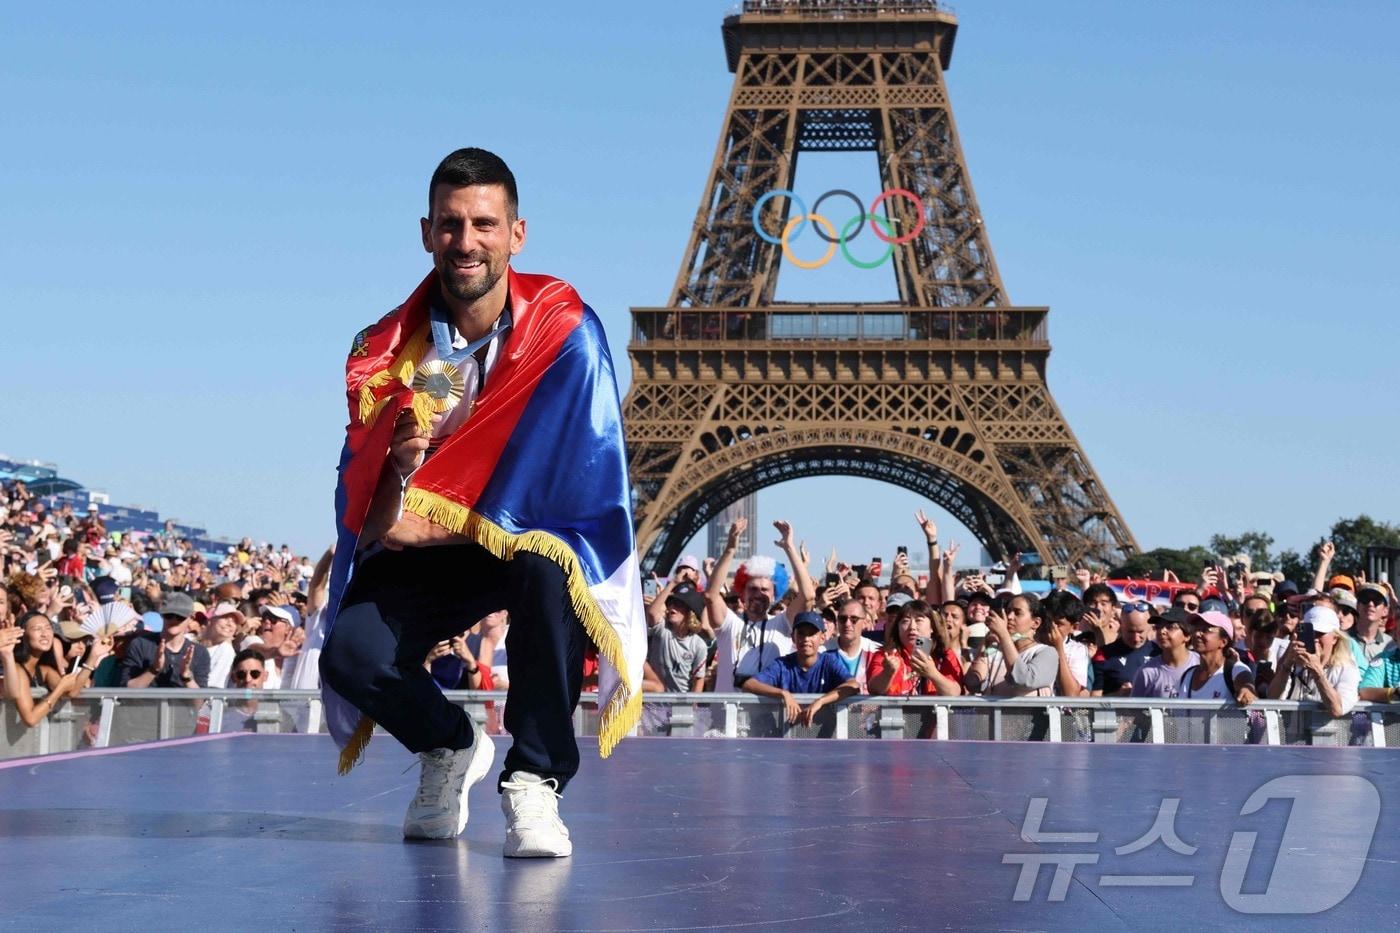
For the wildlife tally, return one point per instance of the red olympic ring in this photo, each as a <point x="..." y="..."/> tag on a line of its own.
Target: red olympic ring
<point x="919" y="211"/>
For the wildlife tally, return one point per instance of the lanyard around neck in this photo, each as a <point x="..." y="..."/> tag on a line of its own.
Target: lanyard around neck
<point x="442" y="335"/>
<point x="743" y="643"/>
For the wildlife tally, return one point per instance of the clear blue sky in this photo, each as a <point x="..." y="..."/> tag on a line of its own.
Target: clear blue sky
<point x="204" y="202"/>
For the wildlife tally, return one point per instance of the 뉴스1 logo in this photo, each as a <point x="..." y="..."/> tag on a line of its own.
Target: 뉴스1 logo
<point x="1303" y="873"/>
<point x="882" y="227"/>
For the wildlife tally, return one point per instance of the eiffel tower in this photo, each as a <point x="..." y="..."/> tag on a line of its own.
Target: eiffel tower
<point x="942" y="393"/>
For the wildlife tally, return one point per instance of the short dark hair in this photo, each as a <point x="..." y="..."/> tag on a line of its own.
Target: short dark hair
<point x="1062" y="605"/>
<point x="474" y="166"/>
<point x="1093" y="592"/>
<point x="247" y="654"/>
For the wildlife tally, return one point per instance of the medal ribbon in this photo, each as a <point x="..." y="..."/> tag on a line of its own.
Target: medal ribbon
<point x="442" y="336"/>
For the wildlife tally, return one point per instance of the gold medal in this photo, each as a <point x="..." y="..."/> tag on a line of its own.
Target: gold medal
<point x="441" y="382"/>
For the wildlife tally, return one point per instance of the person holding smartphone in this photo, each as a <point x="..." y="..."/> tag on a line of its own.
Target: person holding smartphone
<point x="917" y="657"/>
<point x="1318" y="664"/>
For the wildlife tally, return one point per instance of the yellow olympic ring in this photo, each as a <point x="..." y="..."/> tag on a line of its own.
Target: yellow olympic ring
<point x="830" y="243"/>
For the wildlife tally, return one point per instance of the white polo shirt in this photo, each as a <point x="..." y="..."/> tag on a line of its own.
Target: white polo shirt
<point x="745" y="648"/>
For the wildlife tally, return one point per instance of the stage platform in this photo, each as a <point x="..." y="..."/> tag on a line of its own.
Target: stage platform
<point x="257" y="833"/>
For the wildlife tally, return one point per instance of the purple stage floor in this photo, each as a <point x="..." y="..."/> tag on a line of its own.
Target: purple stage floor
<point x="258" y="833"/>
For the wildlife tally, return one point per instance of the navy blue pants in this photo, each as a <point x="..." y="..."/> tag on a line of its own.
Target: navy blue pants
<point x="401" y="603"/>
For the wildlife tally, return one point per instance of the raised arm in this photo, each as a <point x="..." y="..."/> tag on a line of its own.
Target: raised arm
<point x="806" y="590"/>
<point x="656" y="609"/>
<point x="1324" y="564"/>
<point x="933" y="590"/>
<point x="317" y="591"/>
<point x="714" y="593"/>
<point x="946" y="573"/>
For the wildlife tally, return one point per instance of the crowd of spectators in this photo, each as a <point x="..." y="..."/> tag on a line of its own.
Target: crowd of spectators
<point x="89" y="608"/>
<point x="1234" y="638"/>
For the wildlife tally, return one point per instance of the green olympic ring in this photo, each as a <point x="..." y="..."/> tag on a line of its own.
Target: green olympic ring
<point x="860" y="222"/>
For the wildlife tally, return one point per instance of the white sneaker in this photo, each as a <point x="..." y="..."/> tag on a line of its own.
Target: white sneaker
<point x="439" y="810"/>
<point x="533" y="827"/>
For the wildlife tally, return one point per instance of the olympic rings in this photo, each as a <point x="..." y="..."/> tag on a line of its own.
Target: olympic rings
<point x="817" y="209"/>
<point x="918" y="211"/>
<point x="881" y="226"/>
<point x="830" y="244"/>
<point x="860" y="222"/>
<point x="758" y="206"/>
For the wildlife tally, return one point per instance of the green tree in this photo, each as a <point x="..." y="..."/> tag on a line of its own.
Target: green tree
<point x="1254" y="543"/>
<point x="1352" y="536"/>
<point x="1293" y="567"/>
<point x="1186" y="563"/>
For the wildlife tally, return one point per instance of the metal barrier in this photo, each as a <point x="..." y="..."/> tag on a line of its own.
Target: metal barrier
<point x="104" y="718"/>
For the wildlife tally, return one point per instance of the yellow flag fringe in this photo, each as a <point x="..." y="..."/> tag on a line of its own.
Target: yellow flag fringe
<point x="354" y="750"/>
<point x="402" y="367"/>
<point x="623" y="709"/>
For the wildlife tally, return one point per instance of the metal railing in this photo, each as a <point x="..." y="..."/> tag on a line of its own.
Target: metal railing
<point x="1019" y="327"/>
<point x="104" y="718"/>
<point x="841" y="9"/>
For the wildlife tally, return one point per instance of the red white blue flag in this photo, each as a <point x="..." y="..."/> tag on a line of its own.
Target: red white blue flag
<point x="539" y="466"/>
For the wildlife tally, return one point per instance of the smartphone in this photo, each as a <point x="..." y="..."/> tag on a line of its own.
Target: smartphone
<point x="902" y="550"/>
<point x="1307" y="635"/>
<point x="833" y="579"/>
<point x="860" y="571"/>
<point x="649" y="587"/>
<point x="923" y="644"/>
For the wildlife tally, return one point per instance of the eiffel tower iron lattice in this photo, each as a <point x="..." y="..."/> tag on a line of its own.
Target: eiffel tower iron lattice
<point x="943" y="392"/>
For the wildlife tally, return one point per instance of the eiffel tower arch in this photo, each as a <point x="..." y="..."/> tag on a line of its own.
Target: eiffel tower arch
<point x="942" y="392"/>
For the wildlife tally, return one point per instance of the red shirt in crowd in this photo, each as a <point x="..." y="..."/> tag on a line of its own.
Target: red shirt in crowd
<point x="907" y="681"/>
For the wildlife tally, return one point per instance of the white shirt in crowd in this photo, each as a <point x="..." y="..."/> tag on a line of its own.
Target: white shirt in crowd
<point x="1077" y="653"/>
<point x="745" y="648"/>
<point x="1344" y="678"/>
<point x="220" y="663"/>
<point x="1215" y="688"/>
<point x="302" y="671"/>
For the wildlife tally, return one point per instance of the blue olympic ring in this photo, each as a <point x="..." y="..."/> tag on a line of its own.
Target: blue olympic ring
<point x="758" y="206"/>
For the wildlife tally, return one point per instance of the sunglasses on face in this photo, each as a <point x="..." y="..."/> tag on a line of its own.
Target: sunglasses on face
<point x="850" y="618"/>
<point x="1370" y="601"/>
<point x="247" y="675"/>
<point x="1140" y="605"/>
<point x="1190" y="607"/>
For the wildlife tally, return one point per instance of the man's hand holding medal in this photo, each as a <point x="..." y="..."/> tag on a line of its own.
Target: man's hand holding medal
<point x="406" y="453"/>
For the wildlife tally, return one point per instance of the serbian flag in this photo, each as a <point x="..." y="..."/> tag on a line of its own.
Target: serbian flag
<point x="539" y="467"/>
